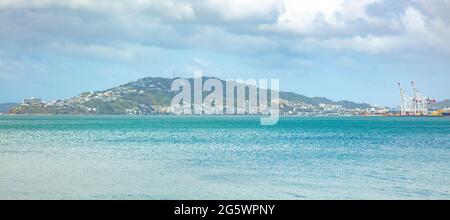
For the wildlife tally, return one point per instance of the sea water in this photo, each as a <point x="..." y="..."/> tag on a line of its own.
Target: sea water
<point x="223" y="157"/>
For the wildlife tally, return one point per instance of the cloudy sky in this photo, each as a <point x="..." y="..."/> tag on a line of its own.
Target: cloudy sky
<point x="340" y="49"/>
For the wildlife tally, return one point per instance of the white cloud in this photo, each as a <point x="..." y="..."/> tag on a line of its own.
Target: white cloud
<point x="421" y="30"/>
<point x="410" y="29"/>
<point x="250" y="26"/>
<point x="307" y="17"/>
<point x="123" y="53"/>
<point x="436" y="8"/>
<point x="238" y="10"/>
<point x="177" y="10"/>
<point x="369" y="44"/>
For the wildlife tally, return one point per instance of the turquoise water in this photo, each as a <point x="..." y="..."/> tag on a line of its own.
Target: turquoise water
<point x="229" y="157"/>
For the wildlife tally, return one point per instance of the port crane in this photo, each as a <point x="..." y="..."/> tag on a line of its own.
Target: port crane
<point x="416" y="105"/>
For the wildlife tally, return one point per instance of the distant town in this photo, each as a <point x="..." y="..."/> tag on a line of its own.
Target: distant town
<point x="150" y="96"/>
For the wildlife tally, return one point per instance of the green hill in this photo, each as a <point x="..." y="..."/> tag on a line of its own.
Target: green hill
<point x="150" y="95"/>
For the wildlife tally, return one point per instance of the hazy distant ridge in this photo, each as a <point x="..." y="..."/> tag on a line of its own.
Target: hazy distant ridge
<point x="440" y="105"/>
<point x="5" y="107"/>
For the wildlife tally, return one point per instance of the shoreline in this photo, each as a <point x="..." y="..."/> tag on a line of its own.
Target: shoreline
<point x="236" y="115"/>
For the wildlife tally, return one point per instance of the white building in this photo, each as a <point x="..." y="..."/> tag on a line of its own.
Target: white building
<point x="32" y="101"/>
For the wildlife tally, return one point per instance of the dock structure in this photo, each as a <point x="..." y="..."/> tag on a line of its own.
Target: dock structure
<point x="416" y="105"/>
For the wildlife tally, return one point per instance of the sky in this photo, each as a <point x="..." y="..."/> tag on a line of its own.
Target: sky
<point x="339" y="49"/>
